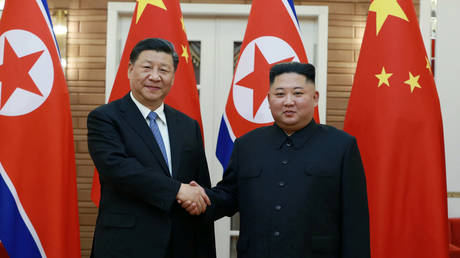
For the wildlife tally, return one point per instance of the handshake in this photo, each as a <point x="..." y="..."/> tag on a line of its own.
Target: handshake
<point x="193" y="198"/>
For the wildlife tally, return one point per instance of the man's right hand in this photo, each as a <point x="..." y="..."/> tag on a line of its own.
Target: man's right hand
<point x="193" y="198"/>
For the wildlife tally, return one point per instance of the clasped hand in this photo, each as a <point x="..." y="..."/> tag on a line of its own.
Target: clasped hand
<point x="193" y="198"/>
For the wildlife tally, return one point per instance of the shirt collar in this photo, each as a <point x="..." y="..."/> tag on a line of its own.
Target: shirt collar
<point x="297" y="139"/>
<point x="145" y="110"/>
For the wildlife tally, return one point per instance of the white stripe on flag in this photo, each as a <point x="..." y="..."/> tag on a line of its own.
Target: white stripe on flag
<point x="293" y="18"/>
<point x="229" y="128"/>
<point x="48" y="22"/>
<point x="21" y="210"/>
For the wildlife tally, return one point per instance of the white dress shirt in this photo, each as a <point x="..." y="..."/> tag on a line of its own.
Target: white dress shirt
<point x="162" y="125"/>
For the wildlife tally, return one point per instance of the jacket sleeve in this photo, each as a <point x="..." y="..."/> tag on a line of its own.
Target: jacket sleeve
<point x="224" y="196"/>
<point x="125" y="172"/>
<point x="355" y="213"/>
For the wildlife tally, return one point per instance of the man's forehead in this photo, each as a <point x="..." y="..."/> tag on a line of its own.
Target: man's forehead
<point x="146" y="55"/>
<point x="291" y="85"/>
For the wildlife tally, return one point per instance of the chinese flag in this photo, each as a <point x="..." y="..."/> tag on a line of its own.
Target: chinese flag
<point x="38" y="190"/>
<point x="272" y="36"/>
<point x="394" y="112"/>
<point x="159" y="19"/>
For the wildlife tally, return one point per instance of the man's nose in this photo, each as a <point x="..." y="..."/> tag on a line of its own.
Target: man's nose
<point x="154" y="75"/>
<point x="289" y="100"/>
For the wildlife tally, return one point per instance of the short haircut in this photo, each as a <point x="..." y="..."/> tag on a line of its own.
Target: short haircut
<point x="307" y="70"/>
<point x="156" y="44"/>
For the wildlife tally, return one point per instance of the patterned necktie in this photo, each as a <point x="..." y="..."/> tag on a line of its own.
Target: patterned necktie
<point x="156" y="133"/>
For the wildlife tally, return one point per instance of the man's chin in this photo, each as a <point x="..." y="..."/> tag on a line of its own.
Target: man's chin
<point x="289" y="121"/>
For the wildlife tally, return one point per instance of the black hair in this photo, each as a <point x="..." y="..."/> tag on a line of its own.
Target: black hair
<point x="156" y="44"/>
<point x="307" y="70"/>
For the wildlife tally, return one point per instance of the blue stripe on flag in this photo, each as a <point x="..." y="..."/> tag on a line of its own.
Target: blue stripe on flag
<point x="47" y="16"/>
<point x="45" y="5"/>
<point x="291" y="3"/>
<point x="224" y="144"/>
<point x="14" y="233"/>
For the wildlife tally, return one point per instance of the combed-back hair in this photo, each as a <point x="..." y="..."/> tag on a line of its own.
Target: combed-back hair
<point x="156" y="44"/>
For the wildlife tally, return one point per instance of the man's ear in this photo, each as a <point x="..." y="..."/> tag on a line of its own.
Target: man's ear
<point x="316" y="97"/>
<point x="130" y="69"/>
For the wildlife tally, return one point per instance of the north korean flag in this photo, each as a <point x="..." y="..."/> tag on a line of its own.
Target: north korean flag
<point x="38" y="191"/>
<point x="272" y="36"/>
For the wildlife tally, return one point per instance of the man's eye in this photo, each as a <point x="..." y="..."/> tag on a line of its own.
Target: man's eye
<point x="299" y="93"/>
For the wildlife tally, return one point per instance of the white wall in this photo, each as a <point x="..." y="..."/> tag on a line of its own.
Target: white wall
<point x="447" y="70"/>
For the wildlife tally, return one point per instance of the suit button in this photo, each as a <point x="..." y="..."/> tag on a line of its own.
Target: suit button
<point x="288" y="144"/>
<point x="284" y="162"/>
<point x="281" y="184"/>
<point x="276" y="234"/>
<point x="278" y="207"/>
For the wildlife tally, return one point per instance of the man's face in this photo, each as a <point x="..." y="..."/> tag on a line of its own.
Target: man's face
<point x="151" y="77"/>
<point x="292" y="101"/>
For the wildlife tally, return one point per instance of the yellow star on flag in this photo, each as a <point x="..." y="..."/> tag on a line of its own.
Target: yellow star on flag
<point x="413" y="82"/>
<point x="143" y="3"/>
<point x="428" y="66"/>
<point x="383" y="77"/>
<point x="185" y="53"/>
<point x="384" y="8"/>
<point x="182" y="21"/>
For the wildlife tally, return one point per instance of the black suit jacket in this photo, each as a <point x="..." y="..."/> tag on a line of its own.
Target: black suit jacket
<point x="138" y="213"/>
<point x="302" y="196"/>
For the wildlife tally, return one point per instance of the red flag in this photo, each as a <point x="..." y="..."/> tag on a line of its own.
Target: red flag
<point x="38" y="193"/>
<point x="159" y="19"/>
<point x="3" y="253"/>
<point x="394" y="112"/>
<point x="272" y="36"/>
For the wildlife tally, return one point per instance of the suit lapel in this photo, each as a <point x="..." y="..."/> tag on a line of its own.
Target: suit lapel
<point x="134" y="119"/>
<point x="174" y="132"/>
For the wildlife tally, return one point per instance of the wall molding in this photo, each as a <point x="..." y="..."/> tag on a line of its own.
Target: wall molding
<point x="453" y="194"/>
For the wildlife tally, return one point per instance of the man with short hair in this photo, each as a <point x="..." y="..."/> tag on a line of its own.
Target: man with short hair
<point x="299" y="186"/>
<point x="145" y="152"/>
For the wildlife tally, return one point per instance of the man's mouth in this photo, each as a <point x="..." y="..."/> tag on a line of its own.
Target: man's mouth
<point x="289" y="112"/>
<point x="152" y="87"/>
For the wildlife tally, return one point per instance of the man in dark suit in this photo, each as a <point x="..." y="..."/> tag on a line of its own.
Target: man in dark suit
<point x="299" y="186"/>
<point x="145" y="153"/>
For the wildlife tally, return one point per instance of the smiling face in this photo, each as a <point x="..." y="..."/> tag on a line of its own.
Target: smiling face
<point x="292" y="101"/>
<point x="151" y="77"/>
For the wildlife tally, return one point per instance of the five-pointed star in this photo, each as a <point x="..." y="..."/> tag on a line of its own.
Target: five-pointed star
<point x="185" y="53"/>
<point x="383" y="77"/>
<point x="14" y="73"/>
<point x="413" y="82"/>
<point x="258" y="78"/>
<point x="384" y="8"/>
<point x="428" y="66"/>
<point x="143" y="3"/>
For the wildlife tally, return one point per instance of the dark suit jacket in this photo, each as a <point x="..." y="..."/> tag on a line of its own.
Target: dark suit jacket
<point x="302" y="196"/>
<point x="138" y="213"/>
